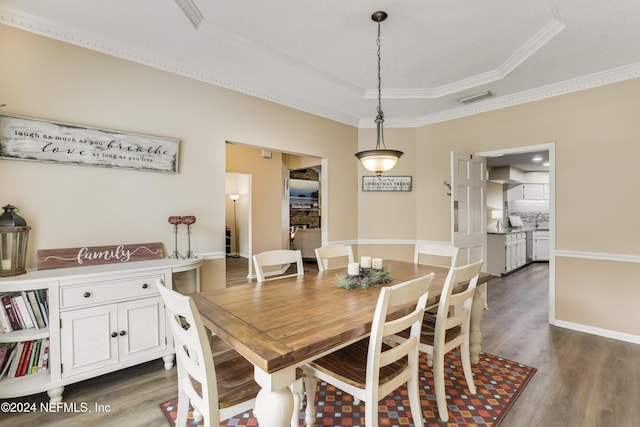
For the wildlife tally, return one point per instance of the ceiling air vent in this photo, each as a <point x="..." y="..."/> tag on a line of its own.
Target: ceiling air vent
<point x="477" y="97"/>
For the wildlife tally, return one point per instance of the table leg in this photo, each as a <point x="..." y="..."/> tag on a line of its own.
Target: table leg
<point x="274" y="403"/>
<point x="475" y="337"/>
<point x="274" y="408"/>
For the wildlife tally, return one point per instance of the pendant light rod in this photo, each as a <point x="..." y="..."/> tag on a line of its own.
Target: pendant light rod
<point x="379" y="17"/>
<point x="381" y="159"/>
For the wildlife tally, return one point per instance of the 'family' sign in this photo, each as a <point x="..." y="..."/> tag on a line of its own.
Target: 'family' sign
<point x="97" y="255"/>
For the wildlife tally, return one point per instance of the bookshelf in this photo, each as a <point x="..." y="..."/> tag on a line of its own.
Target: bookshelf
<point x="82" y="305"/>
<point x="24" y="341"/>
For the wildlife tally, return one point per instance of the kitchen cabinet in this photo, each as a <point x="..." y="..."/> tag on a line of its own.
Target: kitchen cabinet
<point x="528" y="192"/>
<point x="532" y="192"/>
<point x="541" y="246"/>
<point x="506" y="252"/>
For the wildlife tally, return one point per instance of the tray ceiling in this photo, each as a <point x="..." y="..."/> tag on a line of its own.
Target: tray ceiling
<point x="320" y="57"/>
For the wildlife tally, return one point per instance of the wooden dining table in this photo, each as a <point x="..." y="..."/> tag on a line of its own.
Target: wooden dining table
<point x="282" y="324"/>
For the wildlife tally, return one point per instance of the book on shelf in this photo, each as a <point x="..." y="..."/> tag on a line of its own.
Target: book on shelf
<point x="44" y="353"/>
<point x="9" y="359"/>
<point x="15" y="359"/>
<point x="44" y="359"/>
<point x="35" y="309"/>
<point x="5" y="354"/>
<point x="7" y="305"/>
<point x="5" y="324"/>
<point x="29" y="310"/>
<point x="24" y="359"/>
<point x="35" y="354"/>
<point x="22" y="310"/>
<point x="43" y="303"/>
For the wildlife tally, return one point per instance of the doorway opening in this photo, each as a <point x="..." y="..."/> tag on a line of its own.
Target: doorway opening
<point x="262" y="211"/>
<point x="521" y="194"/>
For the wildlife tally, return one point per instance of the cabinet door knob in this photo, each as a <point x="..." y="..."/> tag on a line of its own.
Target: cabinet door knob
<point x="87" y="294"/>
<point x="122" y="333"/>
<point x="114" y="334"/>
<point x="145" y="286"/>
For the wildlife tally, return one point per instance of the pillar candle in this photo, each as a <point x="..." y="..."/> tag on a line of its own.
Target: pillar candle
<point x="365" y="261"/>
<point x="6" y="264"/>
<point x="377" y="263"/>
<point x="353" y="269"/>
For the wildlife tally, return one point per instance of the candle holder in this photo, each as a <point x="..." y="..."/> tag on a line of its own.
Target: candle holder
<point x="14" y="235"/>
<point x="189" y="221"/>
<point x="175" y="221"/>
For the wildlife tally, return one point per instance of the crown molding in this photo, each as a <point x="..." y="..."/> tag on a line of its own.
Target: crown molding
<point x="616" y="75"/>
<point x="48" y="29"/>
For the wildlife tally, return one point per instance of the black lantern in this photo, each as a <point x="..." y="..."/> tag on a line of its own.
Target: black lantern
<point x="14" y="233"/>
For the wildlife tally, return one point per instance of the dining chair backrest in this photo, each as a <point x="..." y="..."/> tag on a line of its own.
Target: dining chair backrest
<point x="369" y="369"/>
<point x="454" y="309"/>
<point x="435" y="254"/>
<point x="279" y="261"/>
<point x="333" y="254"/>
<point x="416" y="292"/>
<point x="451" y="329"/>
<point x="197" y="379"/>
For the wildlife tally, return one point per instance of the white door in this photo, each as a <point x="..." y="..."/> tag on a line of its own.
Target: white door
<point x="468" y="207"/>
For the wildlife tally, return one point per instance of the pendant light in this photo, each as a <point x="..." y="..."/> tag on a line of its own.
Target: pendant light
<point x="381" y="159"/>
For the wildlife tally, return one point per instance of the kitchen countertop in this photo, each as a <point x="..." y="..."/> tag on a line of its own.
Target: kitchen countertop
<point x="510" y="230"/>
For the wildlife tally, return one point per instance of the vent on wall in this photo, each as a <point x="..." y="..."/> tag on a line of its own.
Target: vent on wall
<point x="477" y="97"/>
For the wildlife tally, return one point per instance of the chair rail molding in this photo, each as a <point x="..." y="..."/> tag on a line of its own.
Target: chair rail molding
<point x="600" y="256"/>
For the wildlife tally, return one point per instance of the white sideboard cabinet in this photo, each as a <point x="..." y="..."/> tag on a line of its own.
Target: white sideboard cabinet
<point x="101" y="319"/>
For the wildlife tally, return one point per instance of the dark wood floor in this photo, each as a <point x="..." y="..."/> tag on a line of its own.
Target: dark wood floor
<point x="582" y="380"/>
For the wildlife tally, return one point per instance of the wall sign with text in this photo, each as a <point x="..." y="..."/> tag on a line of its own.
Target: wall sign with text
<point x="98" y="255"/>
<point x="23" y="138"/>
<point x="386" y="183"/>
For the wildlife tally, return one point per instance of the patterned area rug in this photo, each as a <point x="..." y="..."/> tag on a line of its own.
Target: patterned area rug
<point x="498" y="381"/>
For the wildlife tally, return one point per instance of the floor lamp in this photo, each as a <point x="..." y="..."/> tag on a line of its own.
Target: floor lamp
<point x="235" y="198"/>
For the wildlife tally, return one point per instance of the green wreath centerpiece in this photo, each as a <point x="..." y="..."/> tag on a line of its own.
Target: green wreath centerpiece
<point x="368" y="277"/>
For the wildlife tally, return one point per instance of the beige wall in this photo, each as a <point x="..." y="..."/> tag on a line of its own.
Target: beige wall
<point x="266" y="193"/>
<point x="595" y="133"/>
<point x="388" y="215"/>
<point x="71" y="206"/>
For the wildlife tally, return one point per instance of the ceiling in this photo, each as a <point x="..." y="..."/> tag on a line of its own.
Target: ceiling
<point x="534" y="161"/>
<point x="321" y="56"/>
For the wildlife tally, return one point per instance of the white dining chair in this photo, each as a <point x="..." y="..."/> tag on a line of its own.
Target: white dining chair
<point x="218" y="388"/>
<point x="333" y="255"/>
<point x="448" y="330"/>
<point x="279" y="260"/>
<point x="435" y="254"/>
<point x="370" y="369"/>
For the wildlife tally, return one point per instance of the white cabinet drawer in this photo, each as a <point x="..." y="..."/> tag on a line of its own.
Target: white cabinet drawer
<point x="104" y="292"/>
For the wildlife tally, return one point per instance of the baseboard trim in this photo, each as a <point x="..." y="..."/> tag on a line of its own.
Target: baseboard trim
<point x="620" y="336"/>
